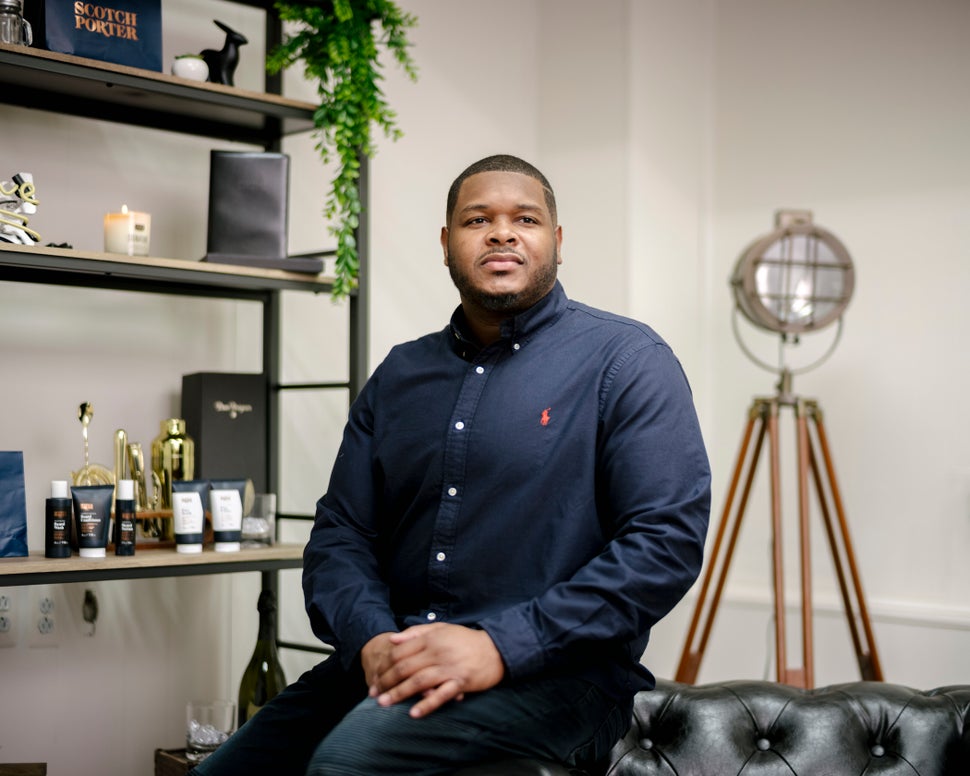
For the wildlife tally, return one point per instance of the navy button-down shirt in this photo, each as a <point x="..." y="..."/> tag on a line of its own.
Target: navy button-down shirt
<point x="551" y="488"/>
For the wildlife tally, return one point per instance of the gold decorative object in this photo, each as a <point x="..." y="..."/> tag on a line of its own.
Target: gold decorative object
<point x="150" y="522"/>
<point x="173" y="457"/>
<point x="90" y="473"/>
<point x="120" y="453"/>
<point x="18" y="201"/>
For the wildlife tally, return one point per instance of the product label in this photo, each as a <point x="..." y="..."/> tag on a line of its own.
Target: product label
<point x="188" y="516"/>
<point x="110" y="22"/>
<point x="226" y="509"/>
<point x="126" y="527"/>
<point x="59" y="527"/>
<point x="233" y="409"/>
<point x="59" y="518"/>
<point x="89" y="522"/>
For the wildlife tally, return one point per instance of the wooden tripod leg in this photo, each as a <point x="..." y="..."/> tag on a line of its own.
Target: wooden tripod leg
<point x="690" y="658"/>
<point x="866" y="654"/>
<point x="805" y="675"/>
<point x="785" y="675"/>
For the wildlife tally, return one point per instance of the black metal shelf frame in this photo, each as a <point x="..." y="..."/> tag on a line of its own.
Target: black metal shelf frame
<point x="74" y="86"/>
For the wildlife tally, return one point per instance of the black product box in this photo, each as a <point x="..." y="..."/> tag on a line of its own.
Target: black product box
<point x="126" y="32"/>
<point x="225" y="413"/>
<point x="249" y="212"/>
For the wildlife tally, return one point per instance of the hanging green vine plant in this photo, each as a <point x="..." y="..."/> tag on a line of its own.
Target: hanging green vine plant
<point x="339" y="43"/>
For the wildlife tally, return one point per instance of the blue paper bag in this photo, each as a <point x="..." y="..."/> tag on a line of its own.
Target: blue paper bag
<point x="13" y="505"/>
<point x="128" y="32"/>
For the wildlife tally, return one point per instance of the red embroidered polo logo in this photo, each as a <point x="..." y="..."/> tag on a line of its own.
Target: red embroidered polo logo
<point x="544" y="420"/>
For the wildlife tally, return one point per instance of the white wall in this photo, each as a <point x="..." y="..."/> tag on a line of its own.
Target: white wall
<point x="672" y="133"/>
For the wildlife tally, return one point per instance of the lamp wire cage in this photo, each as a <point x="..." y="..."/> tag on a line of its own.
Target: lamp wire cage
<point x="797" y="279"/>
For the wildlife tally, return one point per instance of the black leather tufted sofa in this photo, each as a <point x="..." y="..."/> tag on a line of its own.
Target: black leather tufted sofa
<point x="759" y="728"/>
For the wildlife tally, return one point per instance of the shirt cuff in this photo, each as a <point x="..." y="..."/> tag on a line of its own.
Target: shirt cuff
<point x="361" y="634"/>
<point x="515" y="638"/>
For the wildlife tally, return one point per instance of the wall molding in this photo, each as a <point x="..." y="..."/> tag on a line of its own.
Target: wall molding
<point x="917" y="614"/>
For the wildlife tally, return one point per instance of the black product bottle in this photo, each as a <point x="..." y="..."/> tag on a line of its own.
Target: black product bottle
<point x="124" y="537"/>
<point x="263" y="677"/>
<point x="57" y="523"/>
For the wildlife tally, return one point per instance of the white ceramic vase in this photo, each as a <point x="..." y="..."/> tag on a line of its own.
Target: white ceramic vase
<point x="190" y="66"/>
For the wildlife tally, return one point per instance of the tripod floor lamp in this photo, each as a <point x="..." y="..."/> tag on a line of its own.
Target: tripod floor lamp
<point x="797" y="279"/>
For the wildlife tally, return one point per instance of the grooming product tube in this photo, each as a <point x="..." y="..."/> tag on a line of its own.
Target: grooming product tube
<point x="226" y="508"/>
<point x="189" y="518"/>
<point x="57" y="521"/>
<point x="92" y="516"/>
<point x="124" y="522"/>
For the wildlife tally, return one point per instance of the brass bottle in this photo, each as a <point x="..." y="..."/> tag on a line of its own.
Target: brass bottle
<point x="173" y="457"/>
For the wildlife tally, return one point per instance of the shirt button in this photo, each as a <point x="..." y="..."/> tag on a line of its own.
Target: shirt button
<point x="459" y="425"/>
<point x="432" y="616"/>
<point x="452" y="491"/>
<point x="440" y="556"/>
<point x="516" y="346"/>
<point x="480" y="370"/>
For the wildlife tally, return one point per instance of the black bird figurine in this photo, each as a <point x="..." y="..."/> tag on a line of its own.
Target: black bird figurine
<point x="222" y="63"/>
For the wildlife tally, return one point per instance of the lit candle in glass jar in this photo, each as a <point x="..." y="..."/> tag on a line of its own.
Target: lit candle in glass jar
<point x="127" y="232"/>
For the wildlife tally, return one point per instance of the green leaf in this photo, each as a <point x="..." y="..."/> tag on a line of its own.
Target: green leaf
<point x="338" y="46"/>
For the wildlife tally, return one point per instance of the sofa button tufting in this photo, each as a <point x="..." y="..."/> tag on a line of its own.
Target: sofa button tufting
<point x="763" y="744"/>
<point x="646" y="743"/>
<point x="877" y="751"/>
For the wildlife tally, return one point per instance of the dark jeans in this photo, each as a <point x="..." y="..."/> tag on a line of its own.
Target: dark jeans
<point x="325" y="724"/>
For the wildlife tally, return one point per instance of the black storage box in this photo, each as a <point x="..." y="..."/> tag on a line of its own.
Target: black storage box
<point x="249" y="212"/>
<point x="225" y="413"/>
<point x="126" y="32"/>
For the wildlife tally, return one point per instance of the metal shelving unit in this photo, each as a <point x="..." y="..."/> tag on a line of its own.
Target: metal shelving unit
<point x="66" y="84"/>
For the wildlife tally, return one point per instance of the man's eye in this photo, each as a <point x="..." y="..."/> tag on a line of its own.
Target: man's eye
<point x="529" y="220"/>
<point x="477" y="220"/>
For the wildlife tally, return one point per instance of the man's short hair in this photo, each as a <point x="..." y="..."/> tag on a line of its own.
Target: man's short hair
<point x="500" y="163"/>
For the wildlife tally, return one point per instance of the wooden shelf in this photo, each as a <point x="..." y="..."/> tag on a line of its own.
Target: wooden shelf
<point x="38" y="264"/>
<point x="145" y="563"/>
<point x="63" y="83"/>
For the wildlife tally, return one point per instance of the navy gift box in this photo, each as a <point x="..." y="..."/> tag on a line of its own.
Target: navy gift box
<point x="126" y="32"/>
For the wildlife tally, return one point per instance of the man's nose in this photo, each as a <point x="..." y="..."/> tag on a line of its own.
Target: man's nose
<point x="502" y="232"/>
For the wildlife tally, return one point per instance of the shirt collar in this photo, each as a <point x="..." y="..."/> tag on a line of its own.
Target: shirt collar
<point x="515" y="330"/>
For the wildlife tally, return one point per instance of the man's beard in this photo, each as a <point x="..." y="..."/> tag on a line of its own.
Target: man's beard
<point x="511" y="304"/>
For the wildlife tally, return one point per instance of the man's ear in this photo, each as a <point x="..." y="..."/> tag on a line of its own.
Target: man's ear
<point x="444" y="243"/>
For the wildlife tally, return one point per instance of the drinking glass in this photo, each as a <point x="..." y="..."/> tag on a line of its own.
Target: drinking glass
<point x="259" y="526"/>
<point x="207" y="724"/>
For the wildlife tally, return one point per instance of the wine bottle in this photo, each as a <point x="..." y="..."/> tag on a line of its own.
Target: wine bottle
<point x="263" y="677"/>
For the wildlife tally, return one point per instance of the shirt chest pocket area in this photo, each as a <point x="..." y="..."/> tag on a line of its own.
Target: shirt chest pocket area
<point x="516" y="442"/>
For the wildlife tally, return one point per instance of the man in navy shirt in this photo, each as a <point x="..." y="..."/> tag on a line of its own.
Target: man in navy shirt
<point x="517" y="500"/>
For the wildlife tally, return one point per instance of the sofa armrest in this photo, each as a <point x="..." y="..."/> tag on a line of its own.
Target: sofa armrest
<point x="859" y="727"/>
